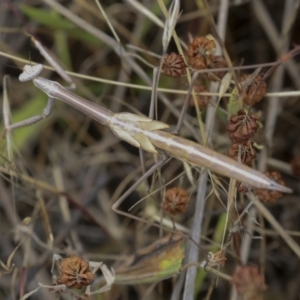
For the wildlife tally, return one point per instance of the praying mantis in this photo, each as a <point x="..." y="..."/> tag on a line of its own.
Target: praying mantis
<point x="145" y="133"/>
<point x="140" y="131"/>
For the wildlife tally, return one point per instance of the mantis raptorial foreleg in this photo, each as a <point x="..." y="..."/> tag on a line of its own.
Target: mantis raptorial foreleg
<point x="31" y="72"/>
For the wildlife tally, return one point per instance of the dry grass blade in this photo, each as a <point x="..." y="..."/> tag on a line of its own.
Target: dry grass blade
<point x="143" y="10"/>
<point x="8" y="266"/>
<point x="170" y="24"/>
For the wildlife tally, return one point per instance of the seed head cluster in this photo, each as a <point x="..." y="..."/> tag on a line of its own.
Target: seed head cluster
<point x="242" y="127"/>
<point x="175" y="201"/>
<point x="253" y="89"/>
<point x="75" y="273"/>
<point x="249" y="283"/>
<point x="173" y="65"/>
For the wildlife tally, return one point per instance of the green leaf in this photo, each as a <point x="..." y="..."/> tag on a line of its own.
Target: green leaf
<point x="61" y="44"/>
<point x="235" y="103"/>
<point x="219" y="231"/>
<point x="54" y="21"/>
<point x="47" y="18"/>
<point x="156" y="262"/>
<point x="217" y="238"/>
<point x="224" y="85"/>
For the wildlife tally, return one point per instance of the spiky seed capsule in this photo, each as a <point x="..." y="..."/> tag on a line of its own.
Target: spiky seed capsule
<point x="175" y="201"/>
<point x="249" y="282"/>
<point x="75" y="273"/>
<point x="217" y="62"/>
<point x="201" y="99"/>
<point x="270" y="195"/>
<point x="199" y="52"/>
<point x="247" y="152"/>
<point x="254" y="90"/>
<point x="173" y="65"/>
<point x="242" y="127"/>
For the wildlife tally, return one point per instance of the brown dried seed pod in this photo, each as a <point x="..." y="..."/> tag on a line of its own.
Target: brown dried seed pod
<point x="249" y="282"/>
<point x="247" y="152"/>
<point x="217" y="62"/>
<point x="175" y="201"/>
<point x="199" y="52"/>
<point x="269" y="195"/>
<point x="173" y="65"/>
<point x="201" y="100"/>
<point x="253" y="90"/>
<point x="242" y="127"/>
<point x="75" y="273"/>
<point x="296" y="165"/>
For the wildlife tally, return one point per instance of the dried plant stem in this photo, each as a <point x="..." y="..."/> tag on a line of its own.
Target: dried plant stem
<point x="192" y="255"/>
<point x="37" y="183"/>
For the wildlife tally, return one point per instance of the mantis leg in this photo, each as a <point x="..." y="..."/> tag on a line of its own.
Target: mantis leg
<point x="46" y="112"/>
<point x="30" y="73"/>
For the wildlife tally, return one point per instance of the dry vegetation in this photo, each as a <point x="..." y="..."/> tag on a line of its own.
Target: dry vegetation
<point x="61" y="176"/>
